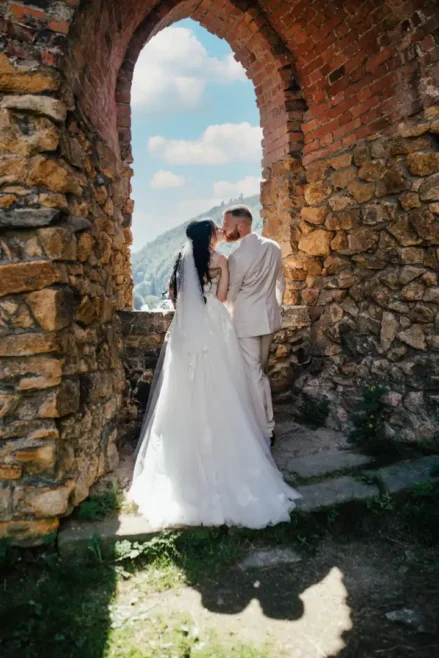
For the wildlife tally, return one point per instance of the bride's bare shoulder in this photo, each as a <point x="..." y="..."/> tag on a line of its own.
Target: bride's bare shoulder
<point x="217" y="260"/>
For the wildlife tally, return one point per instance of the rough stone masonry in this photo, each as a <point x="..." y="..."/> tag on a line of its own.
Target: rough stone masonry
<point x="348" y="96"/>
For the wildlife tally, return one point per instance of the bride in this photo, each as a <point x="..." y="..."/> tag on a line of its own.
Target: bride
<point x="201" y="458"/>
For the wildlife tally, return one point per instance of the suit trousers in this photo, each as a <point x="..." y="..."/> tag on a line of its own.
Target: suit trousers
<point x="255" y="350"/>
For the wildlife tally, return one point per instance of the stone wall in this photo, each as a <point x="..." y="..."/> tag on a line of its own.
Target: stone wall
<point x="64" y="272"/>
<point x="143" y="334"/>
<point x="366" y="263"/>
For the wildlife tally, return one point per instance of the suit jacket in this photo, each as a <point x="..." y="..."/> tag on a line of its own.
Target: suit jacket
<point x="256" y="286"/>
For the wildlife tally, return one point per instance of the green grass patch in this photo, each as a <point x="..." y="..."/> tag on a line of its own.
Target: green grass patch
<point x="58" y="609"/>
<point x="98" y="506"/>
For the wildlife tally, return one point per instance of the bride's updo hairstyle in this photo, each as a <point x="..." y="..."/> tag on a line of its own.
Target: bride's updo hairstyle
<point x="200" y="232"/>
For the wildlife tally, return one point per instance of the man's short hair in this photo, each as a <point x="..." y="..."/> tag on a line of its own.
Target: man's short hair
<point x="240" y="211"/>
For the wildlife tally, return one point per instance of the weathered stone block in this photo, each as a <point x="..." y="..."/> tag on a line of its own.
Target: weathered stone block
<point x="341" y="178"/>
<point x="58" y="243"/>
<point x="316" y="171"/>
<point x="372" y="170"/>
<point x="10" y="472"/>
<point x="55" y="175"/>
<point x="13" y="169"/>
<point x="429" y="190"/>
<point x="28" y="532"/>
<point x="50" y="107"/>
<point x="85" y="246"/>
<point x="314" y="215"/>
<point x="24" y="80"/>
<point x="21" y="277"/>
<point x="27" y="217"/>
<point x="29" y="344"/>
<point x="36" y="459"/>
<point x="423" y="164"/>
<point x="52" y="308"/>
<point x="61" y="402"/>
<point x="389" y="329"/>
<point x="43" y="366"/>
<point x="8" y="403"/>
<point x="40" y="134"/>
<point x="412" y="292"/>
<point x="5" y="502"/>
<point x="33" y="429"/>
<point x="363" y="239"/>
<point x="316" y="193"/>
<point x="392" y="182"/>
<point x="316" y="243"/>
<point x="414" y="337"/>
<point x="41" y="502"/>
<point x="362" y="192"/>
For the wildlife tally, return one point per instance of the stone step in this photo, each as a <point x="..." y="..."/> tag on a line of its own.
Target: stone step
<point x="406" y="475"/>
<point x="75" y="537"/>
<point x="78" y="536"/>
<point x="327" y="462"/>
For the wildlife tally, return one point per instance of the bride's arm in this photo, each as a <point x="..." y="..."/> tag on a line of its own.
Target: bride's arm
<point x="223" y="284"/>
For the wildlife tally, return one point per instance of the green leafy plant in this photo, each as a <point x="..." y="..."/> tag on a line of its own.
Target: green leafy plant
<point x="382" y="503"/>
<point x="369" y="417"/>
<point x="423" y="489"/>
<point x="97" y="507"/>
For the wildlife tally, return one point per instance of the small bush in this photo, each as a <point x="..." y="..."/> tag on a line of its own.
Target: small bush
<point x="368" y="419"/>
<point x="97" y="507"/>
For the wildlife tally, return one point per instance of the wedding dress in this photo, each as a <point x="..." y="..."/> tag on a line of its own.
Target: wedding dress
<point x="201" y="459"/>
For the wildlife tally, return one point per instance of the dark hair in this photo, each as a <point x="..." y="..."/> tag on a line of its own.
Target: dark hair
<point x="200" y="233"/>
<point x="240" y="211"/>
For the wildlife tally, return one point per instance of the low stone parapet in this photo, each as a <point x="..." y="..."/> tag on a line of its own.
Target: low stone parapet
<point x="143" y="333"/>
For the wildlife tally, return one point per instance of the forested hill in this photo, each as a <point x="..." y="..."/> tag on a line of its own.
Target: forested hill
<point x="152" y="265"/>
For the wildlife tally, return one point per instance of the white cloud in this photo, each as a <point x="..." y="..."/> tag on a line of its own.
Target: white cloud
<point x="247" y="186"/>
<point x="165" y="179"/>
<point x="173" y="70"/>
<point x="219" y="144"/>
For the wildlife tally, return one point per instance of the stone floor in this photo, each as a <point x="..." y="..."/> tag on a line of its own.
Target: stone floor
<point x="320" y="464"/>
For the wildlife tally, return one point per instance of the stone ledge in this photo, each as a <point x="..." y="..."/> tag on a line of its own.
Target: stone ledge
<point x="151" y="322"/>
<point x="403" y="476"/>
<point x="77" y="536"/>
<point x="145" y="322"/>
<point x="327" y="462"/>
<point x="334" y="492"/>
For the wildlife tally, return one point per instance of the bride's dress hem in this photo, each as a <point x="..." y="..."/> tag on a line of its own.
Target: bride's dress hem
<point x="203" y="459"/>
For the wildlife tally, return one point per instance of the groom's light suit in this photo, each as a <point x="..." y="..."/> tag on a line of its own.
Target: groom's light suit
<point x="256" y="291"/>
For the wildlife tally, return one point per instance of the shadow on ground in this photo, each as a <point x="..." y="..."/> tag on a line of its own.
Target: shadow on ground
<point x="333" y="603"/>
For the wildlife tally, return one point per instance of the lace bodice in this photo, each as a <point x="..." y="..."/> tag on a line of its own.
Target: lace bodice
<point x="212" y="287"/>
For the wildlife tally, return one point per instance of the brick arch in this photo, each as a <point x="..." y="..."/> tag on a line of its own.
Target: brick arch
<point x="103" y="76"/>
<point x="255" y="44"/>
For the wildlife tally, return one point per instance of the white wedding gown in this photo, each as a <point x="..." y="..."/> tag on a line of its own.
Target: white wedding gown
<point x="202" y="459"/>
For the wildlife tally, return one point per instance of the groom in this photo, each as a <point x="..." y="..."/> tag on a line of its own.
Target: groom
<point x="256" y="290"/>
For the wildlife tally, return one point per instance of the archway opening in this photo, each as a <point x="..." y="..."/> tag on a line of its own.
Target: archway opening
<point x="196" y="143"/>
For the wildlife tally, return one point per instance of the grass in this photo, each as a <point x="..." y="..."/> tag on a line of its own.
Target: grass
<point x="105" y="608"/>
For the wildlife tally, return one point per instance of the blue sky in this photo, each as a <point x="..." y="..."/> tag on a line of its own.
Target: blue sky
<point x="196" y="135"/>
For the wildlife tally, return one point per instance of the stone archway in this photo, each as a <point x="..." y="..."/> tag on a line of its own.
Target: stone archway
<point x="355" y="209"/>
